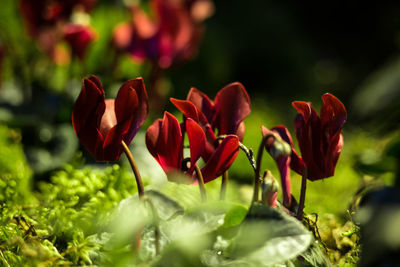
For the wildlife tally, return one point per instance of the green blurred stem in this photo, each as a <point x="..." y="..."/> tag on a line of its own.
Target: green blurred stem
<point x="201" y="183"/>
<point x="135" y="169"/>
<point x="156" y="225"/>
<point x="257" y="178"/>
<point x="302" y="194"/>
<point x="224" y="185"/>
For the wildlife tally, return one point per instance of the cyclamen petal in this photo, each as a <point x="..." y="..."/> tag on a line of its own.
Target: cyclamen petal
<point x="197" y="142"/>
<point x="170" y="143"/>
<point x="202" y="102"/>
<point x="232" y="106"/>
<point x="222" y="159"/>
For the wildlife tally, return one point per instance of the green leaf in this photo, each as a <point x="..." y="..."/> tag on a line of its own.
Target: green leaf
<point x="165" y="206"/>
<point x="269" y="236"/>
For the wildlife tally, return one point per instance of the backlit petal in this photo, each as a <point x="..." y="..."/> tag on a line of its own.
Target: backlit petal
<point x="222" y="159"/>
<point x="202" y="102"/>
<point x="197" y="142"/>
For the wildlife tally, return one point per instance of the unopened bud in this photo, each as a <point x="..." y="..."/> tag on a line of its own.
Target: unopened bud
<point x="279" y="147"/>
<point x="270" y="187"/>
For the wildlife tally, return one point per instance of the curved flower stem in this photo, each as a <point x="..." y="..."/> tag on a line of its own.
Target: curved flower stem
<point x="201" y="183"/>
<point x="302" y="195"/>
<point x="156" y="225"/>
<point x="249" y="155"/>
<point x="135" y="169"/>
<point x="224" y="184"/>
<point x="257" y="177"/>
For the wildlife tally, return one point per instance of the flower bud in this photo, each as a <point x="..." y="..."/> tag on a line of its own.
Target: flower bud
<point x="270" y="187"/>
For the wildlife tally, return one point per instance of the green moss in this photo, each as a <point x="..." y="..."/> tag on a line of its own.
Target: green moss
<point x="15" y="174"/>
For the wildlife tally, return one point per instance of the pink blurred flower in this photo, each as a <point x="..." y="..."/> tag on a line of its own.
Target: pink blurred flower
<point x="171" y="36"/>
<point x="79" y="37"/>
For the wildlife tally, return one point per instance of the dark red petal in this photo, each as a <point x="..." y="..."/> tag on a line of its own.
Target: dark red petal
<point x="331" y="158"/>
<point x="202" y="102"/>
<point x="197" y="142"/>
<point x="296" y="162"/>
<point x="86" y="116"/>
<point x="126" y="103"/>
<point x="309" y="136"/>
<point x="112" y="147"/>
<point x="210" y="144"/>
<point x="232" y="105"/>
<point x="132" y="103"/>
<point x="333" y="114"/>
<point x="240" y="131"/>
<point x="222" y="159"/>
<point x="170" y="143"/>
<point x="303" y="108"/>
<point x="152" y="135"/>
<point x="188" y="109"/>
<point x="87" y="103"/>
<point x="96" y="81"/>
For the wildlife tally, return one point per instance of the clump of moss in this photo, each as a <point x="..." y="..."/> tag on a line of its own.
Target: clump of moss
<point x="66" y="225"/>
<point x="15" y="174"/>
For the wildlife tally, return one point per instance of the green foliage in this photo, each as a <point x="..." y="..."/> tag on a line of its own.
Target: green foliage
<point x="65" y="226"/>
<point x="15" y="174"/>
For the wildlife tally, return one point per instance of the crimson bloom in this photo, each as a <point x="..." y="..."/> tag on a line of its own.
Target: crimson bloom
<point x="101" y="125"/>
<point x="164" y="140"/>
<point x="48" y="23"/>
<point x="79" y="37"/>
<point x="320" y="139"/>
<point x="41" y="14"/>
<point x="225" y="114"/>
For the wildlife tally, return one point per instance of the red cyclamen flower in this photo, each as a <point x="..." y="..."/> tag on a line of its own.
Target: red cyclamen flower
<point x="225" y="114"/>
<point x="320" y="139"/>
<point x="79" y="37"/>
<point x="101" y="125"/>
<point x="164" y="140"/>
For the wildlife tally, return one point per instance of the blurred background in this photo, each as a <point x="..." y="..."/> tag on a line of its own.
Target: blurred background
<point x="280" y="50"/>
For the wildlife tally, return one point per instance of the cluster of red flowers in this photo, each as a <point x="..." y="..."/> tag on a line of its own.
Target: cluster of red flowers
<point x="169" y="34"/>
<point x="214" y="129"/>
<point x="51" y="22"/>
<point x="202" y="116"/>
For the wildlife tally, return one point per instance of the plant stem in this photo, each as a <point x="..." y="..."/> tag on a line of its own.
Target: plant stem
<point x="249" y="154"/>
<point x="302" y="194"/>
<point x="156" y="225"/>
<point x="135" y="169"/>
<point x="224" y="184"/>
<point x="201" y="183"/>
<point x="257" y="177"/>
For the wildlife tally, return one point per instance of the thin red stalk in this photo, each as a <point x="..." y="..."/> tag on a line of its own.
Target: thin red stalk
<point x="302" y="195"/>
